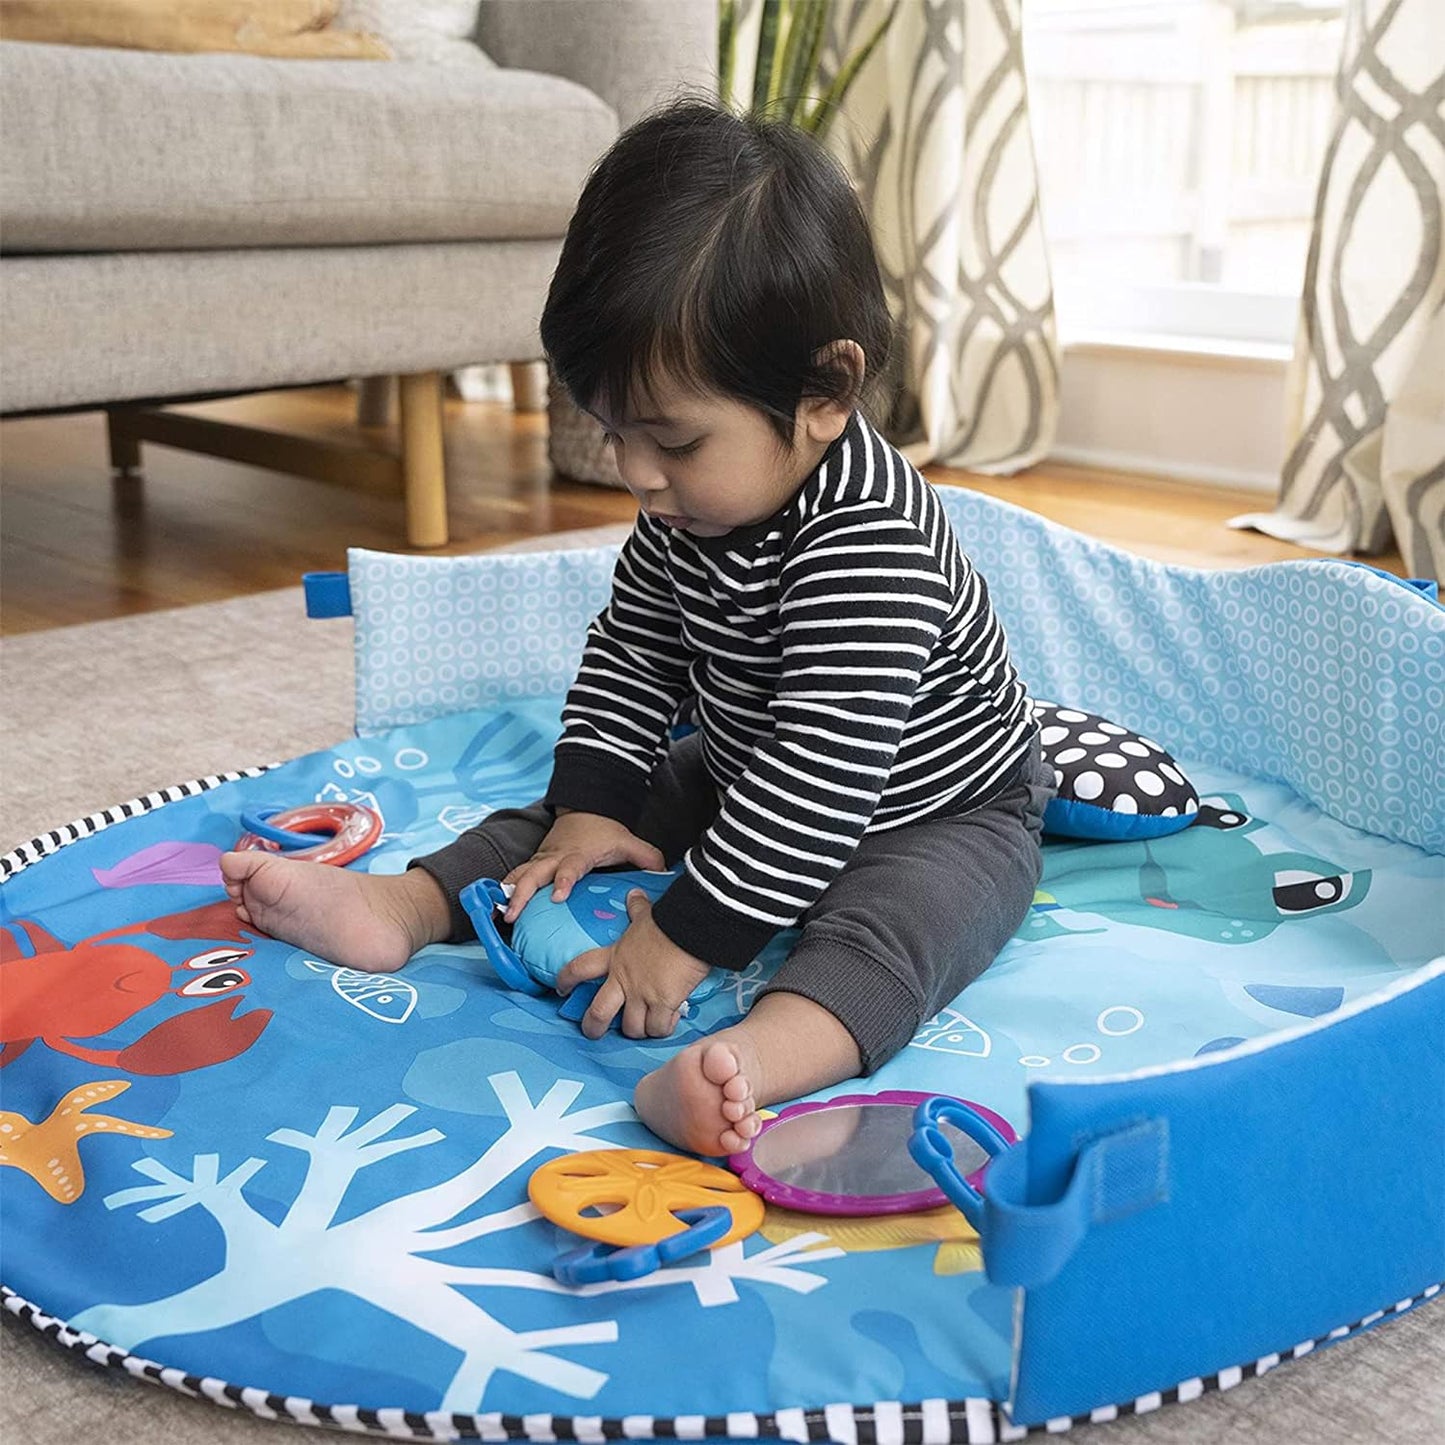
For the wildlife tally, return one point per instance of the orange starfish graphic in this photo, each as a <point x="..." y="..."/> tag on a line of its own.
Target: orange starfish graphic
<point x="49" y="1152"/>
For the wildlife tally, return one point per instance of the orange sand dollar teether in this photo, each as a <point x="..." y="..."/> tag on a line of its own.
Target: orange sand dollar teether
<point x="643" y="1189"/>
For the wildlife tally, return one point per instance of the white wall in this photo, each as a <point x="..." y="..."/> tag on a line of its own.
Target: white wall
<point x="1186" y="413"/>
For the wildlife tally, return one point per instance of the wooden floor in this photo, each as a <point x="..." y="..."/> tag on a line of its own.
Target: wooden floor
<point x="78" y="547"/>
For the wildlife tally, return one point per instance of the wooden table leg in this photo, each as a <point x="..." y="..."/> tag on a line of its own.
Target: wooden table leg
<point x="423" y="461"/>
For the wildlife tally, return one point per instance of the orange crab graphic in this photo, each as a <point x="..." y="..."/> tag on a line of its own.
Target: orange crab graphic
<point x="62" y="994"/>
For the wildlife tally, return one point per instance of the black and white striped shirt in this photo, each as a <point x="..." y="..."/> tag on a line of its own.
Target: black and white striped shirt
<point x="848" y="676"/>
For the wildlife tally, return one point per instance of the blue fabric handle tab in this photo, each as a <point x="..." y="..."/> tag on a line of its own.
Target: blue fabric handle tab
<point x="579" y="1001"/>
<point x="481" y="899"/>
<point x="931" y="1150"/>
<point x="328" y="594"/>
<point x="1117" y="1175"/>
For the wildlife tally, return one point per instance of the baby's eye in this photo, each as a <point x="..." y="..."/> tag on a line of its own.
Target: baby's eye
<point x="610" y="439"/>
<point x="682" y="451"/>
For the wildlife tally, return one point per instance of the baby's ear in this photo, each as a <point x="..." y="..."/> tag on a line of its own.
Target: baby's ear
<point x="846" y="356"/>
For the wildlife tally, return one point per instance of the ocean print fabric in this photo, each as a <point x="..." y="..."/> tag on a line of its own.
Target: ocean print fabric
<point x="313" y="1181"/>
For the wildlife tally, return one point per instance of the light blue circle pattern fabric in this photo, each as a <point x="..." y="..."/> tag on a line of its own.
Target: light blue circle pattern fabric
<point x="445" y="634"/>
<point x="1327" y="677"/>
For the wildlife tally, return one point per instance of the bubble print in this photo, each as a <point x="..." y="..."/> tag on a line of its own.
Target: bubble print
<point x="505" y="627"/>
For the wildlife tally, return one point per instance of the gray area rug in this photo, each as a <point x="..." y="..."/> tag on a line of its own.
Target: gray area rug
<point x="98" y="714"/>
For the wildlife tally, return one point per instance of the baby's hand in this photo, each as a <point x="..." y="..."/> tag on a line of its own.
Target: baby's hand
<point x="648" y="977"/>
<point x="576" y="844"/>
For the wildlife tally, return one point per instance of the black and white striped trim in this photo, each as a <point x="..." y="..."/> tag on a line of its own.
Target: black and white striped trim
<point x="930" y="1422"/>
<point x="18" y="859"/>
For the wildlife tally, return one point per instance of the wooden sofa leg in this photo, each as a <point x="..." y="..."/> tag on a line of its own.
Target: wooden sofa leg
<point x="124" y="444"/>
<point x="423" y="461"/>
<point x="373" y="401"/>
<point x="529" y="386"/>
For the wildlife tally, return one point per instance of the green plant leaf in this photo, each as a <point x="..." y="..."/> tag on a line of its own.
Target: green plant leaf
<point x="800" y="59"/>
<point x="821" y="117"/>
<point x="767" y="51"/>
<point x="727" y="25"/>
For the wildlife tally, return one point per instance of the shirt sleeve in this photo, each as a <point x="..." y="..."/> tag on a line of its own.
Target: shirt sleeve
<point x="862" y="604"/>
<point x="634" y="676"/>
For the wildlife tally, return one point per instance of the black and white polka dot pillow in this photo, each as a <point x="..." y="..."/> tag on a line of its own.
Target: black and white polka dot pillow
<point x="1112" y="783"/>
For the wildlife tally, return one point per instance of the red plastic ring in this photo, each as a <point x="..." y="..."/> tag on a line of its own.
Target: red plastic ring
<point x="353" y="828"/>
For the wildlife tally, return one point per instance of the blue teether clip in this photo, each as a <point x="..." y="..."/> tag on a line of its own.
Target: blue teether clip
<point x="929" y="1146"/>
<point x="548" y="935"/>
<point x="481" y="899"/>
<point x="594" y="1263"/>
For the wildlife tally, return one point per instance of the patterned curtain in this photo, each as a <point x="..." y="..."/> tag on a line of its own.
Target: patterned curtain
<point x="935" y="133"/>
<point x="1366" y="429"/>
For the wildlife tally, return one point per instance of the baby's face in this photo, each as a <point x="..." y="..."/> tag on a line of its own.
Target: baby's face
<point x="707" y="464"/>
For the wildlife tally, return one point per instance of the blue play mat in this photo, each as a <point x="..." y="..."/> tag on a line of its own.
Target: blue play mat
<point x="250" y="1175"/>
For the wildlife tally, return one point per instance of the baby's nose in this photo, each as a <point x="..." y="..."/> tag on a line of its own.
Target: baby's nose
<point x="639" y="475"/>
<point x="647" y="485"/>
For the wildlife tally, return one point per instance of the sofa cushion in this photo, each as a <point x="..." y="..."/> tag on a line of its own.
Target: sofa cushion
<point x="111" y="150"/>
<point x="293" y="28"/>
<point x="87" y="330"/>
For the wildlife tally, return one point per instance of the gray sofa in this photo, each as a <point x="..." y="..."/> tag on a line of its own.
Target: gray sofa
<point x="177" y="226"/>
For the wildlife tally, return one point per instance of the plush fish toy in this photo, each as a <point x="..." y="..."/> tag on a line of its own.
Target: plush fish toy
<point x="547" y="936"/>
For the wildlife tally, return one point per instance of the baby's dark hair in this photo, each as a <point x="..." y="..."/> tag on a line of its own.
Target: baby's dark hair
<point x="724" y="252"/>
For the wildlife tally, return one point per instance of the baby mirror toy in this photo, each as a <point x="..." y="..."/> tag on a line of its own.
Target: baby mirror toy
<point x="851" y="1155"/>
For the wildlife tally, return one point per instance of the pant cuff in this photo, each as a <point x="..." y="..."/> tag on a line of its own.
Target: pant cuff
<point x="453" y="868"/>
<point x="860" y="990"/>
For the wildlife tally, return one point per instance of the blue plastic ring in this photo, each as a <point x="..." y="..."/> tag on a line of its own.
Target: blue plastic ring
<point x="480" y="900"/>
<point x="259" y="823"/>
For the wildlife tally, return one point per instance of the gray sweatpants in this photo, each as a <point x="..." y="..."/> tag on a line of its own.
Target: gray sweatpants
<point x="916" y="914"/>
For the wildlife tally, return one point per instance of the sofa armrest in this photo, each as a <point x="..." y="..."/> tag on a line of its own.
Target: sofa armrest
<point x="631" y="53"/>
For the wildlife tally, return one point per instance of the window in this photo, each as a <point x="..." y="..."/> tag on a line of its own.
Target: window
<point x="1179" y="146"/>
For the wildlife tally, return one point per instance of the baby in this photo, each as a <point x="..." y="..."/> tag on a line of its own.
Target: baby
<point x="864" y="766"/>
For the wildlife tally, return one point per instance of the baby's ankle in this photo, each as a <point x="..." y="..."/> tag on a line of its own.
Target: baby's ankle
<point x="420" y="908"/>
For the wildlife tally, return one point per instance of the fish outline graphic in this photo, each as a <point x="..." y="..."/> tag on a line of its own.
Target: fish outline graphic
<point x="950" y="1032"/>
<point x="382" y="996"/>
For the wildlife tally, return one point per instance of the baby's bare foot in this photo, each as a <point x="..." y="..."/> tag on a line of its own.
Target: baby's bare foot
<point x="366" y="921"/>
<point x="704" y="1098"/>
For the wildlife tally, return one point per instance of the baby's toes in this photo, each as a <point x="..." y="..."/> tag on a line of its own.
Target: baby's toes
<point x="719" y="1064"/>
<point x="732" y="1142"/>
<point x="737" y="1087"/>
<point x="735" y="1109"/>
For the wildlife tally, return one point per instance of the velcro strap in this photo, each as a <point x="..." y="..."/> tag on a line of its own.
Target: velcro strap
<point x="1114" y="1176"/>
